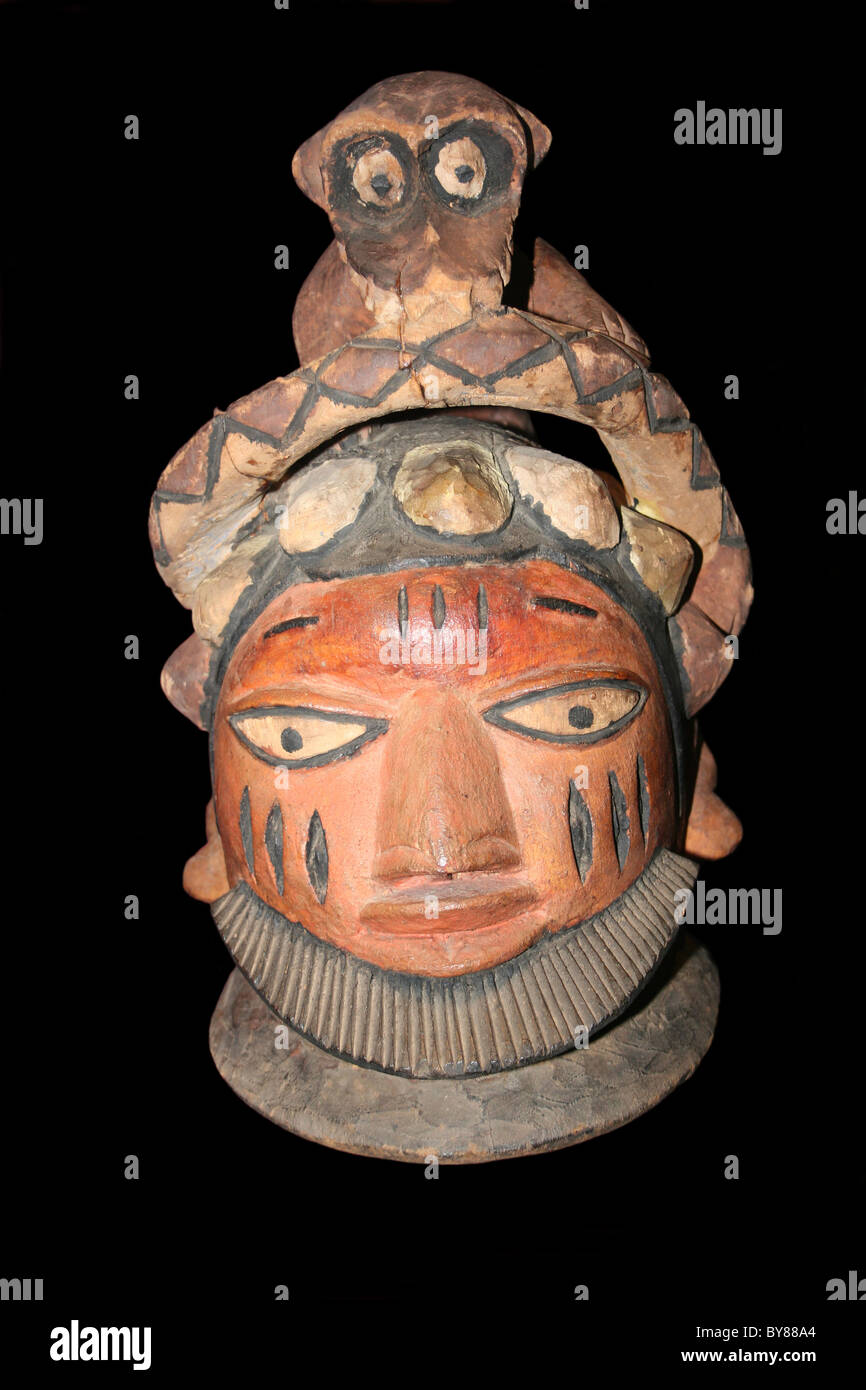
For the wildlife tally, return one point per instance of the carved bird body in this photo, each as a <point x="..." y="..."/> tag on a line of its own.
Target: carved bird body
<point x="421" y="178"/>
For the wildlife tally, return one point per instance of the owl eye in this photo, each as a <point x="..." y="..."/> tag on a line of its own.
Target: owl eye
<point x="371" y="177"/>
<point x="469" y="168"/>
<point x="461" y="169"/>
<point x="378" y="178"/>
<point x="295" y="736"/>
<point x="581" y="712"/>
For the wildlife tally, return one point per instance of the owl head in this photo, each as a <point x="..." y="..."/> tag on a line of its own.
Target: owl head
<point x="421" y="178"/>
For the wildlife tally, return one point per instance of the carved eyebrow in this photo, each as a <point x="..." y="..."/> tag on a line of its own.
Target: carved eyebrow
<point x="289" y="623"/>
<point x="565" y="605"/>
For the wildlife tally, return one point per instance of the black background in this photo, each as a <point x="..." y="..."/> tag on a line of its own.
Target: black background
<point x="156" y="257"/>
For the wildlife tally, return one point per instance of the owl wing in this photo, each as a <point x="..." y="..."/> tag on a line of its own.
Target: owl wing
<point x="329" y="310"/>
<point x="561" y="293"/>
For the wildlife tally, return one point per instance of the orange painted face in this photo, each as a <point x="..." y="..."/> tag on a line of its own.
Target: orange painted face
<point x="432" y="769"/>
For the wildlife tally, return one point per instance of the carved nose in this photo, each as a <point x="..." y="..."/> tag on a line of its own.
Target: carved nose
<point x="443" y="809"/>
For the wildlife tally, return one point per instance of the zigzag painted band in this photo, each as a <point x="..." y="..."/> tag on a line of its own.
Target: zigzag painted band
<point x="519" y="1012"/>
<point x="572" y="372"/>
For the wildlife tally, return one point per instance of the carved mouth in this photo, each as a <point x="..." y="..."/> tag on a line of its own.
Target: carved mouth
<point x="463" y="903"/>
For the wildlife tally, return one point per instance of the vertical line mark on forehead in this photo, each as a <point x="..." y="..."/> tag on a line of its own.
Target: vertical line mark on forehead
<point x="438" y="606"/>
<point x="482" y="606"/>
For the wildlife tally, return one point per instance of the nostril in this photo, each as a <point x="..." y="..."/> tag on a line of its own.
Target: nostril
<point x="405" y="861"/>
<point x="484" y="853"/>
<point x="490" y="852"/>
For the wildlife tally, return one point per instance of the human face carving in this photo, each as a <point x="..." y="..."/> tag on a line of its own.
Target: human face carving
<point x="439" y="817"/>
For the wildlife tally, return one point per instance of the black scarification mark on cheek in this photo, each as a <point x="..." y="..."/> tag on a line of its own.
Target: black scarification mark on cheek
<point x="580" y="824"/>
<point x="274" y="844"/>
<point x="246" y="827"/>
<point x="643" y="797"/>
<point x="317" y="857"/>
<point x="438" y="606"/>
<point x="402" y="608"/>
<point x="619" y="819"/>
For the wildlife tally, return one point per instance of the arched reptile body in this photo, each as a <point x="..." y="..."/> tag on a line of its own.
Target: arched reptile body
<point x="213" y="486"/>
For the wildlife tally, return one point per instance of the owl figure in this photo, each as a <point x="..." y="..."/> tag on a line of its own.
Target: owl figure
<point x="421" y="178"/>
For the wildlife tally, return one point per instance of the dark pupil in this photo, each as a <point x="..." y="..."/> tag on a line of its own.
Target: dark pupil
<point x="380" y="184"/>
<point x="291" y="740"/>
<point x="464" y="173"/>
<point x="579" y="717"/>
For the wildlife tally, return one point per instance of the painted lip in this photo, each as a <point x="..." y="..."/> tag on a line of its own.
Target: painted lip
<point x="465" y="903"/>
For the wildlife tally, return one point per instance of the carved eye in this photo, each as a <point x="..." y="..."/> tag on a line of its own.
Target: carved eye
<point x="378" y="178"/>
<point x="469" y="168"/>
<point x="294" y="736"/>
<point x="581" y="712"/>
<point x="461" y="168"/>
<point x="372" y="176"/>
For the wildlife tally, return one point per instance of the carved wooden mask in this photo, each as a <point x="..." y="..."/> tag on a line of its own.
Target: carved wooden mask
<point x="449" y="681"/>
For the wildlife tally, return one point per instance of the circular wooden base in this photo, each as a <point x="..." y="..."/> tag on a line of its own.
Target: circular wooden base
<point x="624" y="1071"/>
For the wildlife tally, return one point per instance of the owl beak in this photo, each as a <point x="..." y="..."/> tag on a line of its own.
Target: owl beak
<point x="431" y="236"/>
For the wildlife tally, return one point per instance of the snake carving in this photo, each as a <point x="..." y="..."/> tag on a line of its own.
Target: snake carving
<point x="401" y="445"/>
